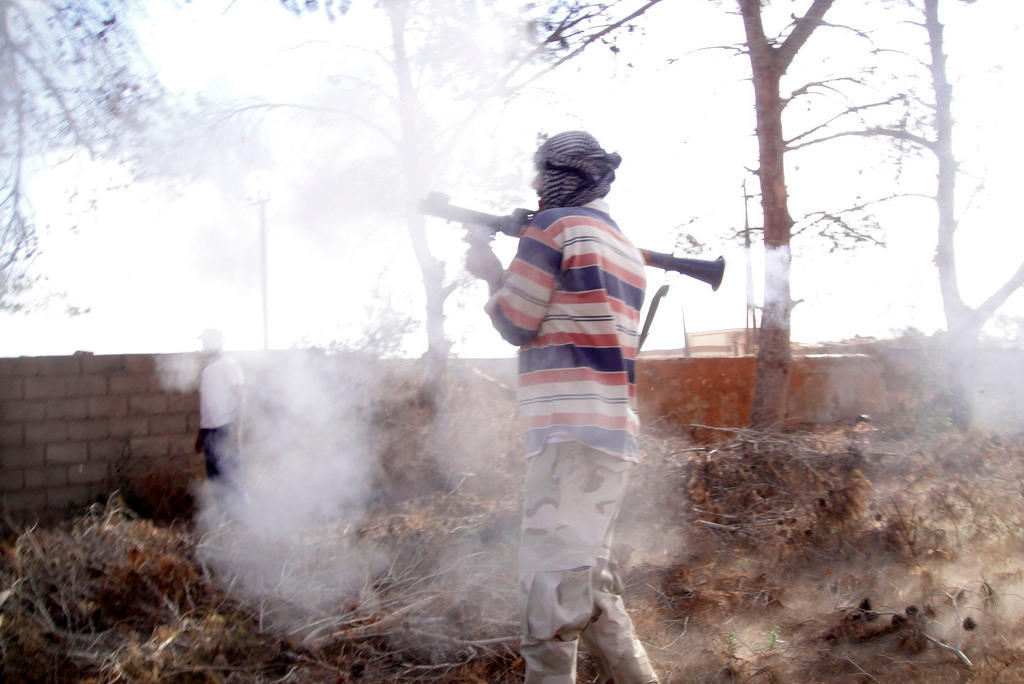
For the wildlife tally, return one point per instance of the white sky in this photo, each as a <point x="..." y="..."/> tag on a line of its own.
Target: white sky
<point x="155" y="268"/>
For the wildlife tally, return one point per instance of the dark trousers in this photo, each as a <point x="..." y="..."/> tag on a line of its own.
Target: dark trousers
<point x="218" y="451"/>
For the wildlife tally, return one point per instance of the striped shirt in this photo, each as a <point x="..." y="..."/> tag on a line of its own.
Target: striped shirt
<point x="571" y="301"/>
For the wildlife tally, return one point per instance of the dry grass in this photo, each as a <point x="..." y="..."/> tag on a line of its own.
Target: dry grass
<point x="839" y="555"/>
<point x="848" y="554"/>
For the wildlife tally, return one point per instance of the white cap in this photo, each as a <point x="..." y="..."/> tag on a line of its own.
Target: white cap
<point x="213" y="340"/>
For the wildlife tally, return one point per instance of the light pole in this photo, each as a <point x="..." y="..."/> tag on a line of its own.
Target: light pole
<point x="261" y="200"/>
<point x="751" y="321"/>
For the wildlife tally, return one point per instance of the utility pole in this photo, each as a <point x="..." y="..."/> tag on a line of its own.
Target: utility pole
<point x="261" y="200"/>
<point x="686" y="337"/>
<point x="751" y="318"/>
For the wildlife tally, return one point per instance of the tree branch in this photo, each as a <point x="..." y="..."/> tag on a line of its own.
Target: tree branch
<point x="903" y="53"/>
<point x="51" y="88"/>
<point x="592" y="38"/>
<point x="502" y="83"/>
<point x="447" y="290"/>
<point x="829" y="122"/>
<point x="369" y="85"/>
<point x="847" y="229"/>
<point x="997" y="298"/>
<point x="801" y="32"/>
<point x="855" y="31"/>
<point x="753" y="26"/>
<point x="806" y="88"/>
<point x="877" y="131"/>
<point x="561" y="32"/>
<point x="344" y="113"/>
<point x="17" y="233"/>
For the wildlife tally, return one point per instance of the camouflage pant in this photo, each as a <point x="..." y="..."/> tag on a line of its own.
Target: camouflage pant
<point x="569" y="588"/>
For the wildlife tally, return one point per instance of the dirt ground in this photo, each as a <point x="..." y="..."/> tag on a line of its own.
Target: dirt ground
<point x="869" y="552"/>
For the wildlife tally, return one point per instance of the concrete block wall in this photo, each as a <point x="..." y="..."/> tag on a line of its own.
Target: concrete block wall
<point x="73" y="428"/>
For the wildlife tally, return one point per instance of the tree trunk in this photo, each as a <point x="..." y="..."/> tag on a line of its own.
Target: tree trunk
<point x="945" y="198"/>
<point x="773" y="355"/>
<point x="962" y="323"/>
<point x="768" y="64"/>
<point x="432" y="270"/>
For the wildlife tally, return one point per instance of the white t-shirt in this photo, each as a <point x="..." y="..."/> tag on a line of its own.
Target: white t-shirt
<point x="218" y="393"/>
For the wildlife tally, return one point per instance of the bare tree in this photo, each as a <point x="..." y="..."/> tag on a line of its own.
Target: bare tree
<point x="769" y="61"/>
<point x="550" y="34"/>
<point x="963" y="323"/>
<point x="72" y="82"/>
<point x="411" y="149"/>
<point x="418" y="57"/>
<point x="932" y="132"/>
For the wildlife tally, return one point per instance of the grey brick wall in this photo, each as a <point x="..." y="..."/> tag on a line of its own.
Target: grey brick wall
<point x="73" y="428"/>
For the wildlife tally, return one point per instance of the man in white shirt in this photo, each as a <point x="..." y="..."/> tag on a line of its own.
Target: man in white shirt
<point x="221" y="404"/>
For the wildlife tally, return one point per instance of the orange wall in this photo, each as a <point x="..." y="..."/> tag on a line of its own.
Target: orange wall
<point x="719" y="392"/>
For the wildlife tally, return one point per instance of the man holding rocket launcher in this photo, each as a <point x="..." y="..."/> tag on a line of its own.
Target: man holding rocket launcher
<point x="571" y="300"/>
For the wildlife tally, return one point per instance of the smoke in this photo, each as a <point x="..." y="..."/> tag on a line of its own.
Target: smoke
<point x="276" y="528"/>
<point x="178" y="372"/>
<point x="345" y="504"/>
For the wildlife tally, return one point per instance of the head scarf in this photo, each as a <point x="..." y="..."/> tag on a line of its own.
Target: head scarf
<point x="574" y="170"/>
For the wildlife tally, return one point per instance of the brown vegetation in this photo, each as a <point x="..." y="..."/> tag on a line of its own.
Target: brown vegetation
<point x="856" y="553"/>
